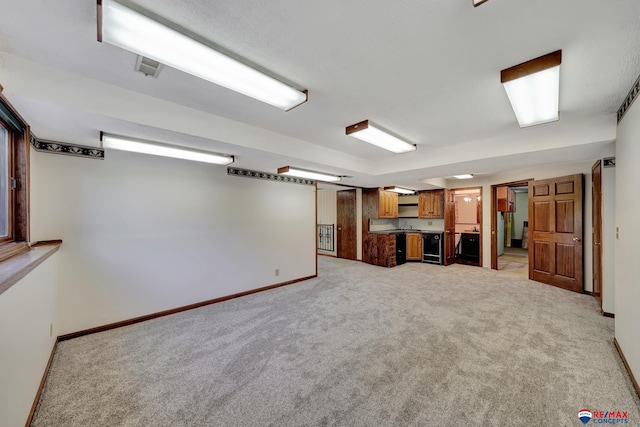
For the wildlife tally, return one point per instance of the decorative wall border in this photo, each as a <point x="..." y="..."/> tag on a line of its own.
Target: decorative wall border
<point x="268" y="176"/>
<point x="55" y="147"/>
<point x="626" y="104"/>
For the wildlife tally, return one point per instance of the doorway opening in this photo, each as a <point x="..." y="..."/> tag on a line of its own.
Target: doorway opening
<point x="510" y="227"/>
<point x="468" y="225"/>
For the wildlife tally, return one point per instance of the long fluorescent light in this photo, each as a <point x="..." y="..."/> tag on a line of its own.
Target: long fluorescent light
<point x="135" y="145"/>
<point x="399" y="190"/>
<point x="477" y="3"/>
<point x="130" y="30"/>
<point x="308" y="174"/>
<point x="367" y="132"/>
<point x="533" y="88"/>
<point x="464" y="176"/>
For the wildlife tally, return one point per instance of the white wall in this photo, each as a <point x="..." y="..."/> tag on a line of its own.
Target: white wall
<point x="608" y="239"/>
<point x="27" y="310"/>
<point x="520" y="215"/>
<point x="327" y="214"/>
<point x="144" y="234"/>
<point x="627" y="206"/>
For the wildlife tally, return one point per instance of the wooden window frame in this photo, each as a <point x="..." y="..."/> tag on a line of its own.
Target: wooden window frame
<point x="19" y="136"/>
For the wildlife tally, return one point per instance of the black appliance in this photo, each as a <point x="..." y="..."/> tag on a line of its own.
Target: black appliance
<point x="401" y="245"/>
<point x="433" y="247"/>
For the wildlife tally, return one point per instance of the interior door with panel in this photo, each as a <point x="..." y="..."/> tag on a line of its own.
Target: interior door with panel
<point x="346" y="224"/>
<point x="555" y="223"/>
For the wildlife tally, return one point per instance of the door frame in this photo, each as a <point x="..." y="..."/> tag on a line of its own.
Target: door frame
<point x="596" y="247"/>
<point x="494" y="219"/>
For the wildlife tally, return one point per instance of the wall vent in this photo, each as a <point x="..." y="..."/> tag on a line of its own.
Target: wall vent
<point x="609" y="162"/>
<point x="148" y="66"/>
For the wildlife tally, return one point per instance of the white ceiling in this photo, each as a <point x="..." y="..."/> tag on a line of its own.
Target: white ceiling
<point x="427" y="70"/>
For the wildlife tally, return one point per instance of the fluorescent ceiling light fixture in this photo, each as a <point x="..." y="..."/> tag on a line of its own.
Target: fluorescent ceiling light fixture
<point x="399" y="190"/>
<point x="375" y="135"/>
<point x="464" y="176"/>
<point x="135" y="145"/>
<point x="123" y="27"/>
<point x="308" y="174"/>
<point x="533" y="88"/>
<point x="477" y="3"/>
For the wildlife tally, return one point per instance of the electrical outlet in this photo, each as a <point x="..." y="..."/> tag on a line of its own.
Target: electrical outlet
<point x="277" y="272"/>
<point x="617" y="233"/>
<point x="50" y="329"/>
<point x="429" y="222"/>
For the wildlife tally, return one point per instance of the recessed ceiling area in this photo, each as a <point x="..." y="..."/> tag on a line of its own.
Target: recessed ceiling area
<point x="429" y="71"/>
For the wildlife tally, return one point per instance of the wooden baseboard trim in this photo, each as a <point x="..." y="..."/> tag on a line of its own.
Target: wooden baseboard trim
<point x="626" y="365"/>
<point x="589" y="293"/>
<point x="176" y="310"/>
<point x="329" y="255"/>
<point x="34" y="406"/>
<point x="611" y="315"/>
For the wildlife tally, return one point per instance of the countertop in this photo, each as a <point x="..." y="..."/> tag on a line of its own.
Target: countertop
<point x="405" y="231"/>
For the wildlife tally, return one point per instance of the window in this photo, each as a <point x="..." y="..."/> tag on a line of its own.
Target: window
<point x="14" y="183"/>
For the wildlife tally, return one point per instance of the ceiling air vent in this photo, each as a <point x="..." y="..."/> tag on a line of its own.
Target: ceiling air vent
<point x="148" y="66"/>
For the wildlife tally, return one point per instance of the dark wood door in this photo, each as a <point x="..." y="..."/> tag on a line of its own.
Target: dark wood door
<point x="449" y="227"/>
<point x="596" y="215"/>
<point x="555" y="232"/>
<point x="346" y="222"/>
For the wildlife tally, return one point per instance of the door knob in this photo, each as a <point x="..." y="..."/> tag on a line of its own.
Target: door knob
<point x="576" y="239"/>
<point x="597" y="243"/>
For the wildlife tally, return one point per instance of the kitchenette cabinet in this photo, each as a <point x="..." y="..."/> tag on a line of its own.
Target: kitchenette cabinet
<point x="387" y="204"/>
<point x="506" y="199"/>
<point x="431" y="204"/>
<point x="470" y="248"/>
<point x="414" y="246"/>
<point x="380" y="249"/>
<point x="379" y="204"/>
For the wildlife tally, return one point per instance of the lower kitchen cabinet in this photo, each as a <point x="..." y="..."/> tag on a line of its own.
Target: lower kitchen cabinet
<point x="380" y="249"/>
<point x="414" y="246"/>
<point x="470" y="250"/>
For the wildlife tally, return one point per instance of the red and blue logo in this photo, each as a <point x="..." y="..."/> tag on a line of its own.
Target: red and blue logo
<point x="603" y="417"/>
<point x="585" y="415"/>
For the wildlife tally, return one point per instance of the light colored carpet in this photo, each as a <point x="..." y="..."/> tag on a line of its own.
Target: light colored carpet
<point x="414" y="345"/>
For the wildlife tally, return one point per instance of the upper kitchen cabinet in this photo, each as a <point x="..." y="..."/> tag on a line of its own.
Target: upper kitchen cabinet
<point x="388" y="204"/>
<point x="506" y="199"/>
<point x="431" y="204"/>
<point x="379" y="204"/>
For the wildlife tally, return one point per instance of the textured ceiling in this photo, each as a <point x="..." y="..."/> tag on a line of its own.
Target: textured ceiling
<point x="427" y="70"/>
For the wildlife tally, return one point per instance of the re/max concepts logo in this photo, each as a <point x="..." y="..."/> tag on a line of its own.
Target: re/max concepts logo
<point x="603" y="417"/>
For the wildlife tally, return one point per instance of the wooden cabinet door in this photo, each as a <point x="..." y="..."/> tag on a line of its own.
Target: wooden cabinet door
<point x="506" y="199"/>
<point x="555" y="232"/>
<point x="371" y="249"/>
<point x="393" y="201"/>
<point x="424" y="204"/>
<point x="414" y="247"/>
<point x="437" y="204"/>
<point x="502" y="199"/>
<point x="431" y="204"/>
<point x="388" y="204"/>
